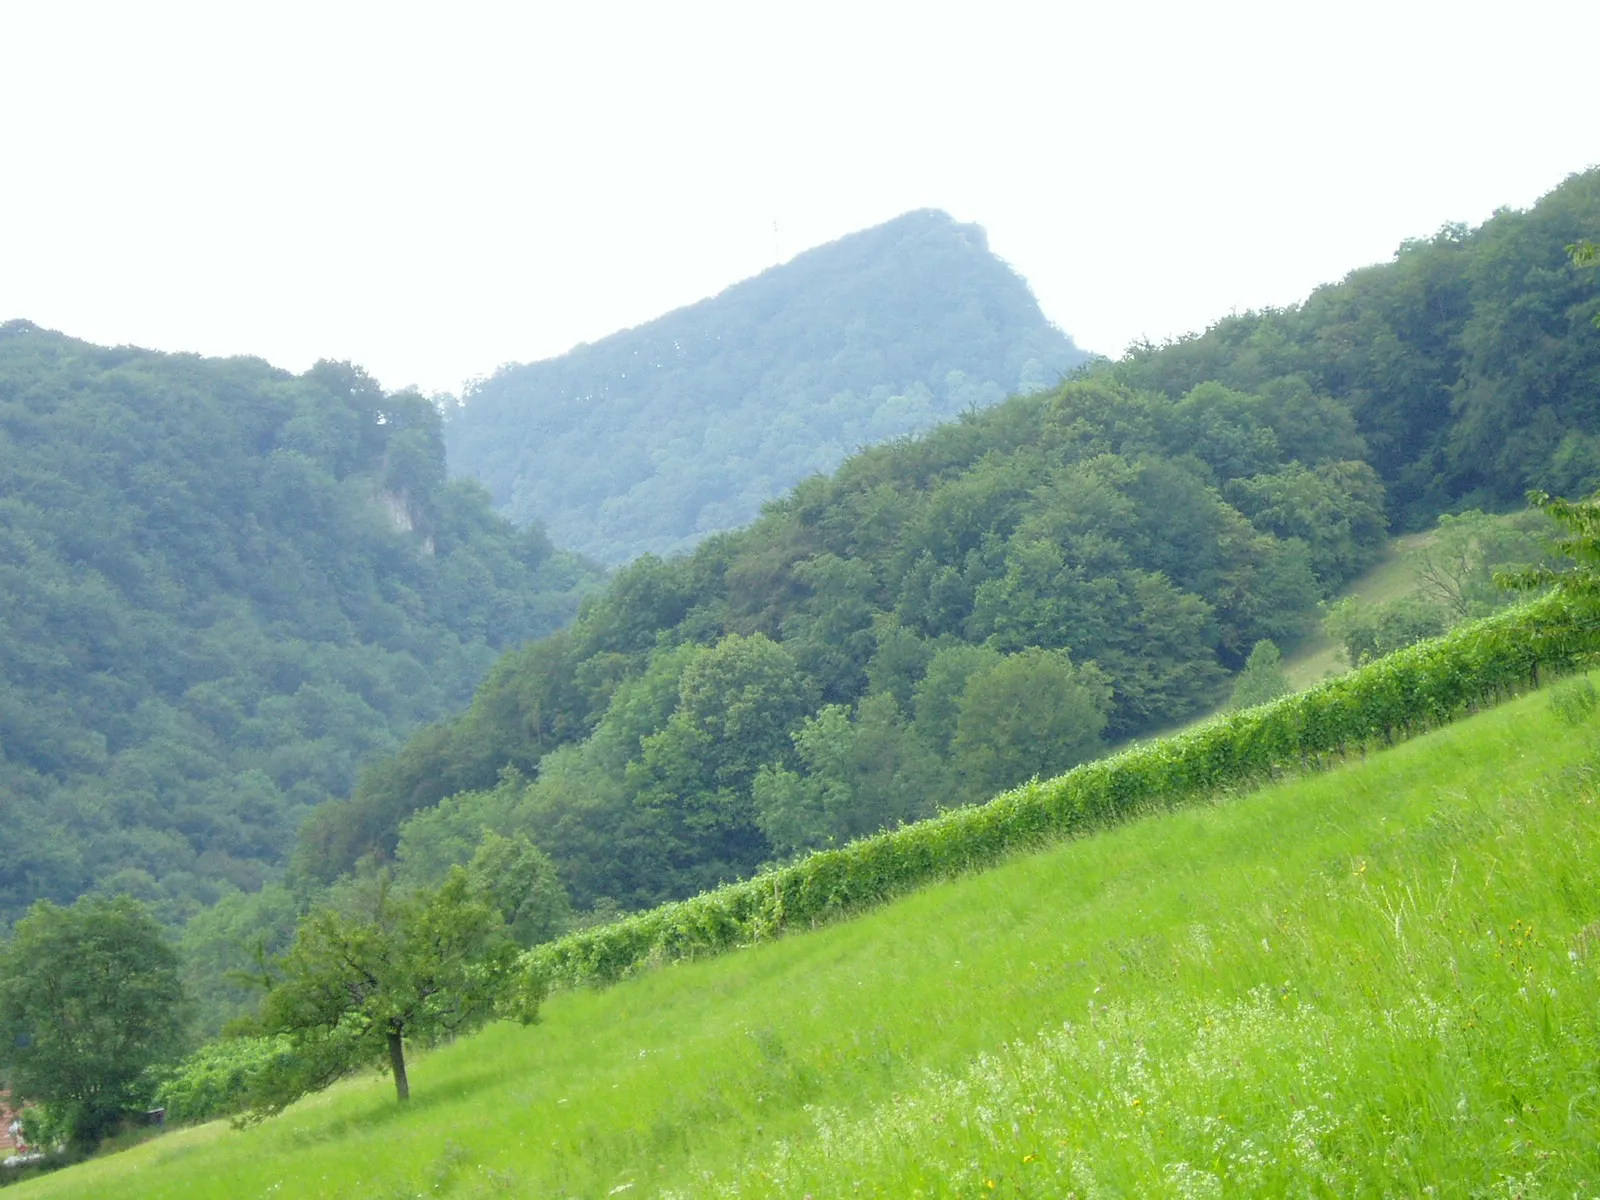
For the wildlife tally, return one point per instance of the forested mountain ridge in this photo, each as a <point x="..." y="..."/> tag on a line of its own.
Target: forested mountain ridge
<point x="657" y="436"/>
<point x="1469" y="362"/>
<point x="222" y="587"/>
<point x="951" y="613"/>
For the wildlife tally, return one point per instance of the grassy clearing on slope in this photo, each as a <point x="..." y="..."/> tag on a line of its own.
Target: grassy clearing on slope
<point x="1317" y="657"/>
<point x="1391" y="577"/>
<point x="1371" y="981"/>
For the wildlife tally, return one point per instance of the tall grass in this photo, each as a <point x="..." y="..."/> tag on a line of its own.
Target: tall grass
<point x="1376" y="980"/>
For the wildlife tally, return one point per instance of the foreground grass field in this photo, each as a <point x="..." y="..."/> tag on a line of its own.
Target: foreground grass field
<point x="1378" y="981"/>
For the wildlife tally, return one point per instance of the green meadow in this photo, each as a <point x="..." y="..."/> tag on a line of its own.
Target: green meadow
<point x="1383" y="979"/>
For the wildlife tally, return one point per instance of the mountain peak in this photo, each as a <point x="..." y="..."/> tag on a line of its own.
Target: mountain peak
<point x="657" y="436"/>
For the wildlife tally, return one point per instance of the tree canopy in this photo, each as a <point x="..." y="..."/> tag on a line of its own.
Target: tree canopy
<point x="361" y="980"/>
<point x="89" y="998"/>
<point x="1469" y="363"/>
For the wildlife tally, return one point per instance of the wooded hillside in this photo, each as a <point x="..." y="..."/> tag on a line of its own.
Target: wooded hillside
<point x="940" y="619"/>
<point x="948" y="615"/>
<point x="1469" y="362"/>
<point x="221" y="588"/>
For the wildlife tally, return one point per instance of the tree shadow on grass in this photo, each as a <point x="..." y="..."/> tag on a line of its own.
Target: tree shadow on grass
<point x="424" y="1100"/>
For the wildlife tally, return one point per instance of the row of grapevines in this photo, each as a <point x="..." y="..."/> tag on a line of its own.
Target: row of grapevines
<point x="1422" y="686"/>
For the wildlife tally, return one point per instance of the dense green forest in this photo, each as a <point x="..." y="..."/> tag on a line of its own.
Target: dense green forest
<point x="652" y="438"/>
<point x="1469" y="362"/>
<point x="223" y="587"/>
<point x="1008" y="593"/>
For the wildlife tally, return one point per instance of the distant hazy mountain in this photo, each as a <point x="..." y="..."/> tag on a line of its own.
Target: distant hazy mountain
<point x="654" y="437"/>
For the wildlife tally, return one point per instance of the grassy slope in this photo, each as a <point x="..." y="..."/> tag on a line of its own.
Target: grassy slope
<point x="1366" y="982"/>
<point x="1388" y="579"/>
<point x="1317" y="657"/>
<point x="1391" y="577"/>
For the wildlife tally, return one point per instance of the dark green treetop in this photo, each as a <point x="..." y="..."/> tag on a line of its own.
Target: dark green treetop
<point x="89" y="999"/>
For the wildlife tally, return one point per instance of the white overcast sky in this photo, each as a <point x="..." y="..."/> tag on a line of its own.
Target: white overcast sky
<point x="435" y="190"/>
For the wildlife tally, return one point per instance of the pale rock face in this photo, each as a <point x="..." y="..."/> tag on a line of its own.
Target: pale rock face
<point x="397" y="505"/>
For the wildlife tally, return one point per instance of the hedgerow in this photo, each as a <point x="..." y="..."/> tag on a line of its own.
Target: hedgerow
<point x="1418" y="688"/>
<point x="215" y="1080"/>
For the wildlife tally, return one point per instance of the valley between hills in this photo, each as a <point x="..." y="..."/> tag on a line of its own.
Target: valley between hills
<point x="836" y="738"/>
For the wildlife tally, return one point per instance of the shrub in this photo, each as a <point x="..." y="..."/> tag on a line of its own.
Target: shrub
<point x="215" y="1080"/>
<point x="1367" y="632"/>
<point x="1263" y="678"/>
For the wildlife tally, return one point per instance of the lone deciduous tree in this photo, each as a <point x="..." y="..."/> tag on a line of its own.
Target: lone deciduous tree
<point x="355" y="987"/>
<point x="1263" y="677"/>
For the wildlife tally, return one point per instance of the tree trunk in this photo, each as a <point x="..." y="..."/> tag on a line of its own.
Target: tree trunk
<point x="397" y="1063"/>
